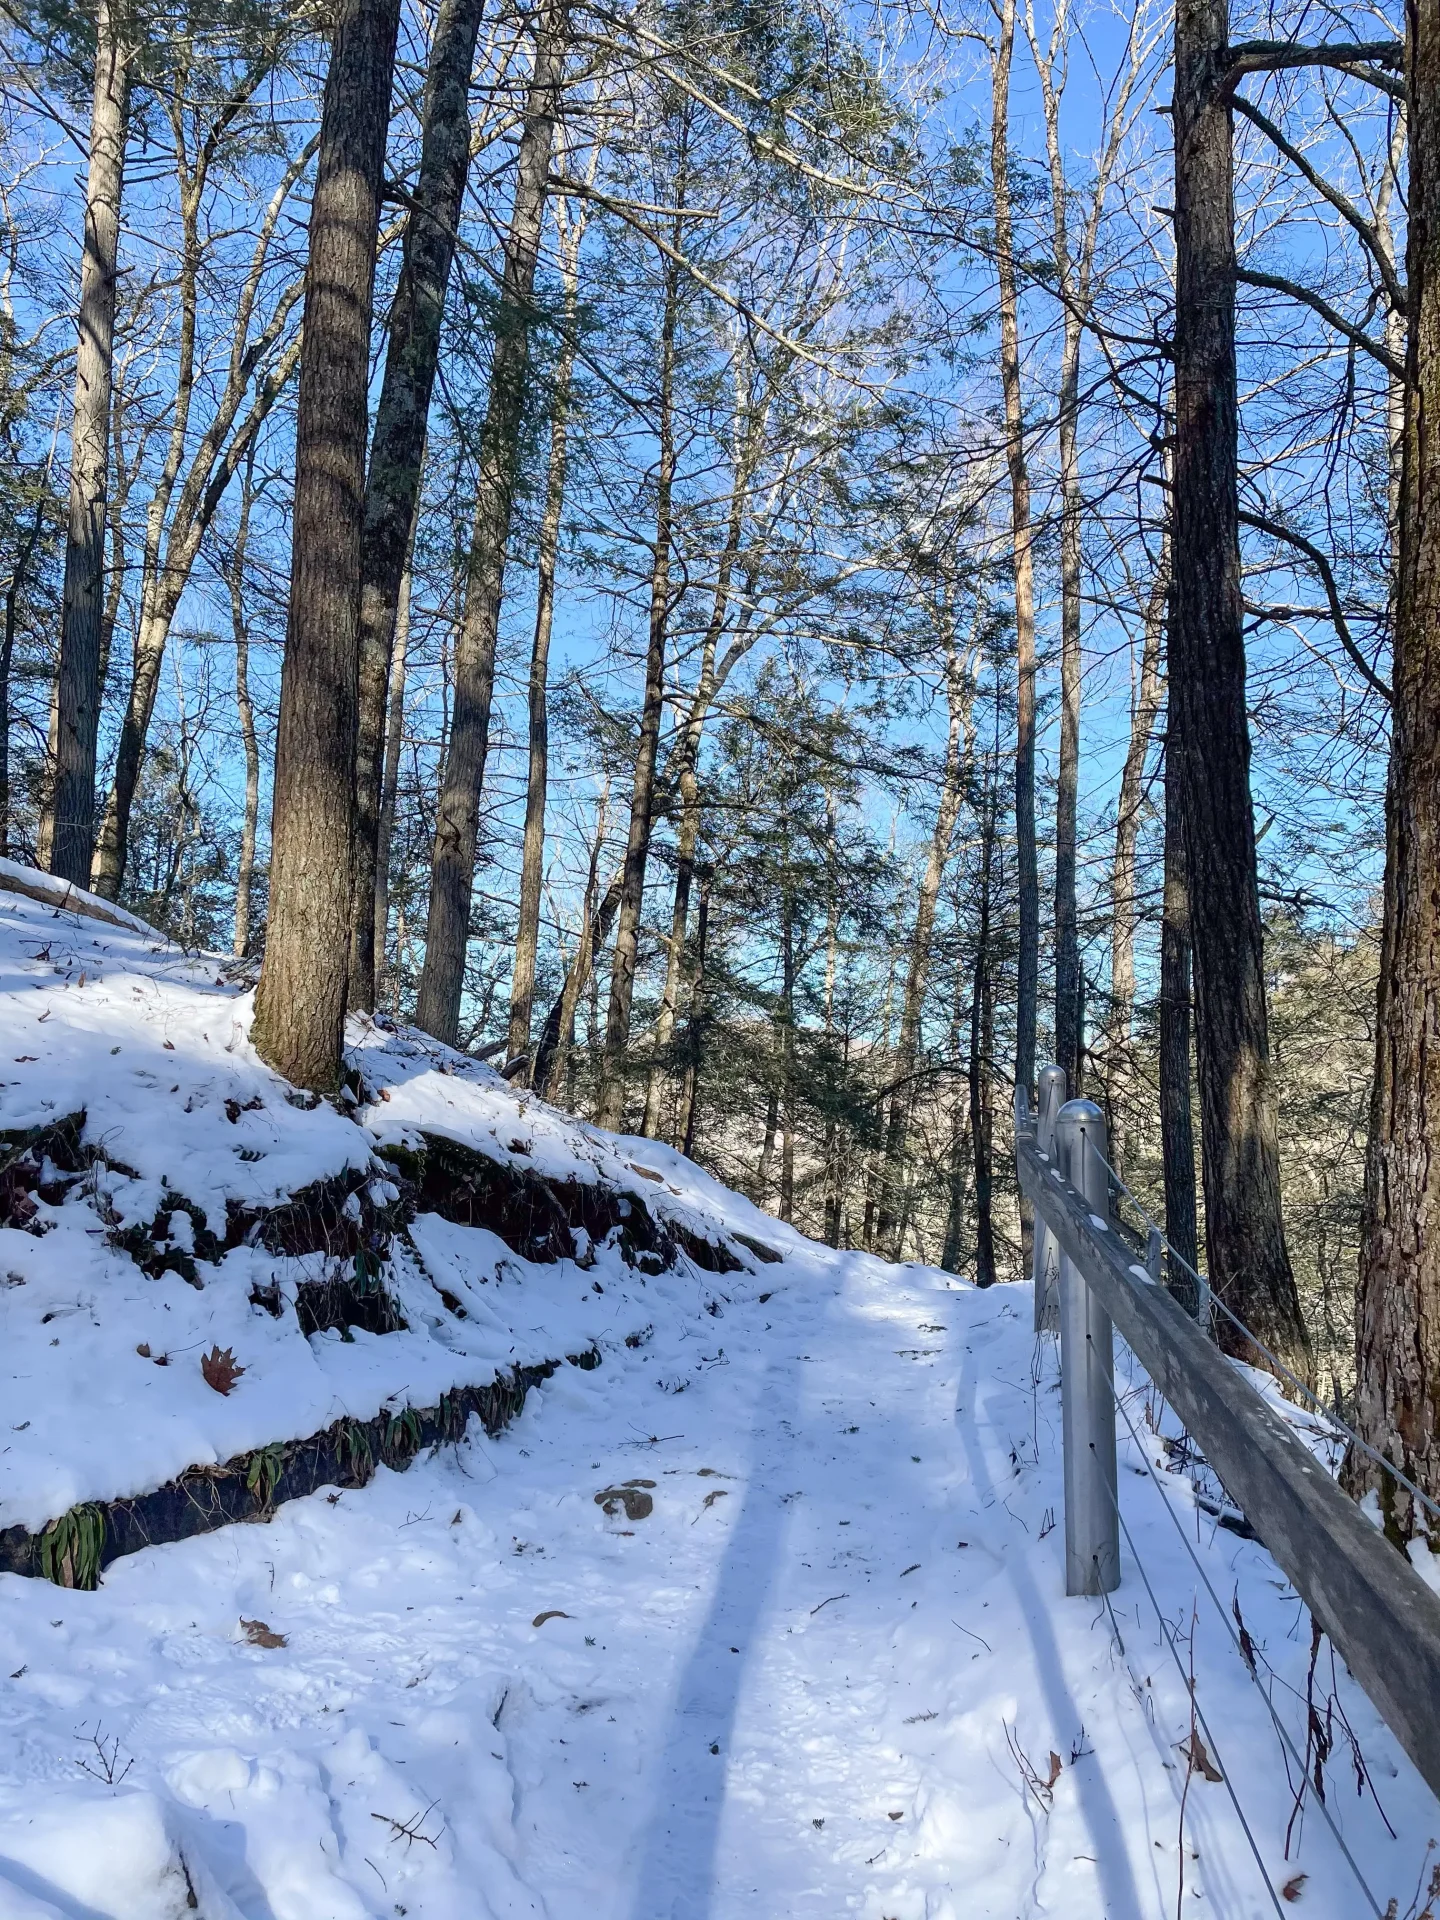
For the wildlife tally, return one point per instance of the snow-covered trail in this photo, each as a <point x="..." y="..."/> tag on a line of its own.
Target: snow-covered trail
<point x="807" y="1682"/>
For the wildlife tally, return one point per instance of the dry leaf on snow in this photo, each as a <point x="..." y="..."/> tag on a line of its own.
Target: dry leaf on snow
<point x="261" y="1635"/>
<point x="221" y="1369"/>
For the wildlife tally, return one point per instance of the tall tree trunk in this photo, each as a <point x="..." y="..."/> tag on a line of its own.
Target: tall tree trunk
<point x="1118" y="1036"/>
<point x="956" y="1184"/>
<point x="982" y="1041"/>
<point x="611" y="1107"/>
<point x="71" y="802"/>
<point x="787" y="1054"/>
<point x="1209" y="735"/>
<point x="390" y="779"/>
<point x="1067" y="785"/>
<point x="1177" y="1140"/>
<point x="892" y="1181"/>
<point x="1398" y="1307"/>
<point x="235" y="580"/>
<point x="532" y="859"/>
<point x="299" y="1024"/>
<point x="397" y="446"/>
<point x="834" y="1197"/>
<point x="695" y="1025"/>
<point x="442" y="981"/>
<point x="1028" y="957"/>
<point x="14" y="587"/>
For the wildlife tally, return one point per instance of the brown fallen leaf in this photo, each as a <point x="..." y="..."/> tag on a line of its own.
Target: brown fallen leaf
<point x="1200" y="1761"/>
<point x="1055" y="1766"/>
<point x="638" y="1505"/>
<point x="221" y="1369"/>
<point x="260" y="1635"/>
<point x="718" y="1494"/>
<point x="1292" y="1888"/>
<point x="897" y="1816"/>
<point x="554" y="1613"/>
<point x="143" y="1349"/>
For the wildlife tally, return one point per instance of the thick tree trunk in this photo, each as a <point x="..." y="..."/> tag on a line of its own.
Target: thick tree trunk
<point x="1028" y="957"/>
<point x="14" y="587"/>
<point x="532" y="858"/>
<point x="77" y="708"/>
<point x="1119" y="1060"/>
<point x="390" y="779"/>
<point x="442" y="981"/>
<point x="392" y="482"/>
<point x="1177" y="1139"/>
<point x="300" y="1003"/>
<point x="1398" y="1308"/>
<point x="611" y="1107"/>
<point x="892" y="1180"/>
<point x="1209" y="735"/>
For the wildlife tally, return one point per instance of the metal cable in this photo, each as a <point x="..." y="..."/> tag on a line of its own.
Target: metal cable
<point x="1229" y="1625"/>
<point x="1168" y="1635"/>
<point x="1325" y="1413"/>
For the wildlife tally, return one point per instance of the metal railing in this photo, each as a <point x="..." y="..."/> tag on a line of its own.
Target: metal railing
<point x="1380" y="1615"/>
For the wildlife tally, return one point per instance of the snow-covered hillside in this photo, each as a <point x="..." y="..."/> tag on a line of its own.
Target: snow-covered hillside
<point x="754" y="1607"/>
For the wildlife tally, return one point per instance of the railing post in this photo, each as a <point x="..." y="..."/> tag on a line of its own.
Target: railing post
<point x="1047" y="1247"/>
<point x="1087" y="1359"/>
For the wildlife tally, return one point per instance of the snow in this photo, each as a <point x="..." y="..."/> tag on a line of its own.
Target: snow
<point x="764" y="1616"/>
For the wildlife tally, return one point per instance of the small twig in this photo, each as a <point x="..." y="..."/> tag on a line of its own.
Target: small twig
<point x="974" y="1636"/>
<point x="826" y="1603"/>
<point x="410" y="1832"/>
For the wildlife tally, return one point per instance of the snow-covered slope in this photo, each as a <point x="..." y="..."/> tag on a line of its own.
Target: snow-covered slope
<point x="762" y="1616"/>
<point x="170" y="1228"/>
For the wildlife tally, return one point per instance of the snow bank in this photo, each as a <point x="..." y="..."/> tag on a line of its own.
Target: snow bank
<point x="153" y="1248"/>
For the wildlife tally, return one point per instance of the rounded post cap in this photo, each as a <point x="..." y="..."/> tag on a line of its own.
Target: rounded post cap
<point x="1051" y="1090"/>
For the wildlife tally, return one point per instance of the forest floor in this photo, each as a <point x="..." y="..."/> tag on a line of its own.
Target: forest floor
<point x="762" y="1616"/>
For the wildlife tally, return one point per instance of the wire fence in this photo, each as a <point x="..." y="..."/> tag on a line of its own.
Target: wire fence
<point x="1163" y="1265"/>
<point x="1329" y="1418"/>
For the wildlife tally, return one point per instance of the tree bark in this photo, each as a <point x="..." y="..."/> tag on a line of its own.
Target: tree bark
<point x="397" y="446"/>
<point x="1398" y="1306"/>
<point x="14" y="587"/>
<point x="695" y="1023"/>
<point x="1118" y="1036"/>
<point x="532" y="858"/>
<point x="1209" y="734"/>
<point x="611" y="1107"/>
<point x="71" y="803"/>
<point x="442" y="981"/>
<point x="982" y="1043"/>
<point x="390" y="780"/>
<point x="1177" y="1140"/>
<point x="1028" y="957"/>
<point x="299" y="1024"/>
